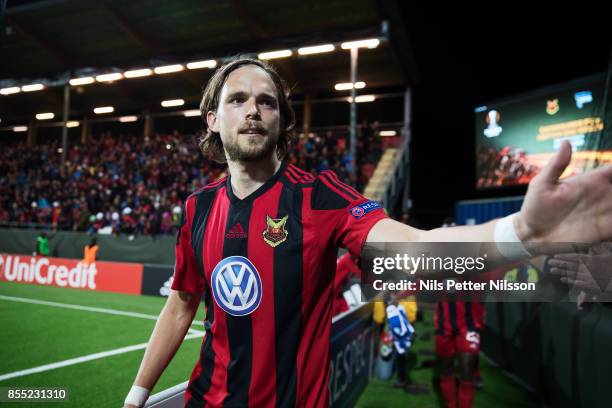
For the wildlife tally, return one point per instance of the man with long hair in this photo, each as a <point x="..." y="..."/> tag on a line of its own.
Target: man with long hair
<point x="261" y="246"/>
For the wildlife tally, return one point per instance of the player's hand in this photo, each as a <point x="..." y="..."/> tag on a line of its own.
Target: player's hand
<point x="576" y="209"/>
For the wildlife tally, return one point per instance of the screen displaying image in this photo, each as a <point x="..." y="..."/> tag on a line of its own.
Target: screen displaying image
<point x="516" y="137"/>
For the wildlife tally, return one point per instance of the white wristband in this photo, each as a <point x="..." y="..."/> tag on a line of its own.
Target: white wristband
<point x="506" y="240"/>
<point x="137" y="396"/>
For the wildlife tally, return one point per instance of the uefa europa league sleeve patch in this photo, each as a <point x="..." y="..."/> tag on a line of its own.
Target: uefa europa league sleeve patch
<point x="362" y="209"/>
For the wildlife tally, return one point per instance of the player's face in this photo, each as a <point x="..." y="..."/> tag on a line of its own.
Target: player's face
<point x="248" y="116"/>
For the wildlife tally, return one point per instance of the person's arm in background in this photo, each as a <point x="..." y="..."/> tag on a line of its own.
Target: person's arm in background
<point x="170" y="329"/>
<point x="589" y="271"/>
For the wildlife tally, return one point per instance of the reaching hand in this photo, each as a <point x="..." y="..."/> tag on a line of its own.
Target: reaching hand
<point x="591" y="272"/>
<point x="576" y="209"/>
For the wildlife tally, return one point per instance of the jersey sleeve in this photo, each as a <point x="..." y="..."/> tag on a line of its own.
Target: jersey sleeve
<point x="187" y="277"/>
<point x="347" y="215"/>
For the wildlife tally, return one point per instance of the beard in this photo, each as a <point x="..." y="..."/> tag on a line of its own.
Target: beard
<point x="250" y="149"/>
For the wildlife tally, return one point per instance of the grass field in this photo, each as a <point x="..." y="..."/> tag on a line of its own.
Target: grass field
<point x="63" y="333"/>
<point x="34" y="335"/>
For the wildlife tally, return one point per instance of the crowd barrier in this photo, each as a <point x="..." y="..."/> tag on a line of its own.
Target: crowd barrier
<point x="143" y="249"/>
<point x="559" y="352"/>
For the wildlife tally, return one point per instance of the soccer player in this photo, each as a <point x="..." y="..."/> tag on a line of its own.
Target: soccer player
<point x="458" y="326"/>
<point x="261" y="247"/>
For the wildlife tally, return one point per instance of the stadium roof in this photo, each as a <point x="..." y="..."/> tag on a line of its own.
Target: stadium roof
<point x="48" y="42"/>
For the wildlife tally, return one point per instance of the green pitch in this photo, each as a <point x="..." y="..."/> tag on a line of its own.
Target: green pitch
<point x="36" y="335"/>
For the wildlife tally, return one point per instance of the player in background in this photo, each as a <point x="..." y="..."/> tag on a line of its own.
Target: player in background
<point x="458" y="325"/>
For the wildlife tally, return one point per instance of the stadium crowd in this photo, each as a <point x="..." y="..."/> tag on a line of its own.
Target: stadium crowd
<point x="127" y="184"/>
<point x="503" y="168"/>
<point x="317" y="153"/>
<point x="124" y="182"/>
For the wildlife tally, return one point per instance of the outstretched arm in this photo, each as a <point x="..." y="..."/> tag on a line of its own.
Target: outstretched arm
<point x="577" y="209"/>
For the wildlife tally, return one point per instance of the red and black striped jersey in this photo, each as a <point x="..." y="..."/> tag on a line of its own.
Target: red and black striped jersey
<point x="457" y="317"/>
<point x="266" y="265"/>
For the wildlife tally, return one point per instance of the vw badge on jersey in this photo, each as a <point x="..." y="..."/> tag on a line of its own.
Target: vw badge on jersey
<point x="236" y="286"/>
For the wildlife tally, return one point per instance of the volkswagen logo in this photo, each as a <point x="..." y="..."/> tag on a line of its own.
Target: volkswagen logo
<point x="236" y="286"/>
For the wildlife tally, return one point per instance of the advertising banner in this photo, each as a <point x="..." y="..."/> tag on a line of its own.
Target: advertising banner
<point x="72" y="273"/>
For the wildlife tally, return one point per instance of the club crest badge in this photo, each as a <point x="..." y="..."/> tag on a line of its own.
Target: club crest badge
<point x="552" y="106"/>
<point x="275" y="232"/>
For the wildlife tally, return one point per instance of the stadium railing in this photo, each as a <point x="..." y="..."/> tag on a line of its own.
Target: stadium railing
<point x="27" y="225"/>
<point x="391" y="176"/>
<point x="157" y="249"/>
<point x="172" y="397"/>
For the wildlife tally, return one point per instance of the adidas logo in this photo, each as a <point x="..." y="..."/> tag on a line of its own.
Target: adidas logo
<point x="236" y="232"/>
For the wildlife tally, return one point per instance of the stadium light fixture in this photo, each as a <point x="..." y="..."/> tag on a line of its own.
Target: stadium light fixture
<point x="141" y="72"/>
<point x="72" y="124"/>
<point x="202" y="64"/>
<point x="32" y="87"/>
<point x="126" y="119"/>
<point x="191" y="112"/>
<point x="275" y="54"/>
<point x="345" y="86"/>
<point x="137" y="73"/>
<point x="109" y="77"/>
<point x="363" y="98"/>
<point x="45" y="116"/>
<point x="172" y="102"/>
<point x="388" y="133"/>
<point x="10" y="90"/>
<point x="370" y="43"/>
<point x="20" y="128"/>
<point x="82" y="81"/>
<point x="103" y="109"/>
<point x="316" y="49"/>
<point x="167" y="69"/>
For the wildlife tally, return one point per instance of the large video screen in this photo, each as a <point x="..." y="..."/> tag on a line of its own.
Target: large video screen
<point x="516" y="137"/>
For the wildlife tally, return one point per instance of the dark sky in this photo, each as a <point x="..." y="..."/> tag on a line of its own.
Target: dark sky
<point x="465" y="58"/>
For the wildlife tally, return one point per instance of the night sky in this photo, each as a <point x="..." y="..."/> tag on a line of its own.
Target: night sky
<point x="466" y="59"/>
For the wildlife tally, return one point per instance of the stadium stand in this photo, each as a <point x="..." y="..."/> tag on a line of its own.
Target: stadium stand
<point x="127" y="184"/>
